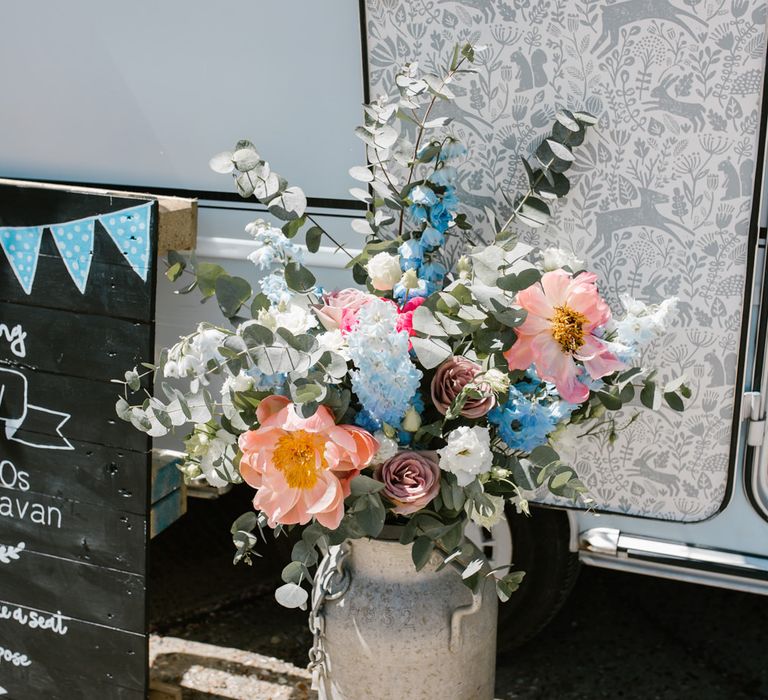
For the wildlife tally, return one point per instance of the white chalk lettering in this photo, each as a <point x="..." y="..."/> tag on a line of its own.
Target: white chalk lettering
<point x="14" y="657"/>
<point x="13" y="478"/>
<point x="15" y="338"/>
<point x="35" y="620"/>
<point x="20" y="509"/>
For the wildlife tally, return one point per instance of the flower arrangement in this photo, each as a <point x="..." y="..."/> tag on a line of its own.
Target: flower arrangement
<point x="434" y="394"/>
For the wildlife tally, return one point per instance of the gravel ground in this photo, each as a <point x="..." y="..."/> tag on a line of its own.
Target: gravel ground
<point x="219" y="633"/>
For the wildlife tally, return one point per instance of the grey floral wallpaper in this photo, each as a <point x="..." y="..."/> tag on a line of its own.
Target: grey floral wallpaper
<point x="661" y="193"/>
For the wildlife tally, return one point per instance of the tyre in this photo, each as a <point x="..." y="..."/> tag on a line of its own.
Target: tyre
<point x="538" y="545"/>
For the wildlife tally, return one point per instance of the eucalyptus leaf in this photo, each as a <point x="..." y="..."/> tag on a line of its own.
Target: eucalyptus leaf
<point x="312" y="238"/>
<point x="421" y="551"/>
<point x="289" y="204"/>
<point x="290" y="595"/>
<point x="231" y="294"/>
<point x="431" y="351"/>
<point x="299" y="278"/>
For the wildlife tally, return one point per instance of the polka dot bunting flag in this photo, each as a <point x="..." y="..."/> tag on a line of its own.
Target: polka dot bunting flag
<point x="21" y="245"/>
<point x="75" y="243"/>
<point x="130" y="230"/>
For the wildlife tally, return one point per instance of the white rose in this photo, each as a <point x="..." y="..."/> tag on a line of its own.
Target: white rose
<point x="467" y="454"/>
<point x="555" y="258"/>
<point x="384" y="271"/>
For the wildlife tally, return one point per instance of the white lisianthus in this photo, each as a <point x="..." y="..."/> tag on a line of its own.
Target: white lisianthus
<point x="384" y="271"/>
<point x="387" y="448"/>
<point x="410" y="279"/>
<point x="335" y="342"/>
<point x="492" y="516"/>
<point x="643" y="322"/>
<point x="467" y="454"/>
<point x="496" y="380"/>
<point x="234" y="384"/>
<point x="293" y="317"/>
<point x="555" y="258"/>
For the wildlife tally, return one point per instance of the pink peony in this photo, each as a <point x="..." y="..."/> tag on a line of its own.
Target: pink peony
<point x="411" y="480"/>
<point x="301" y="467"/>
<point x="339" y="309"/>
<point x="449" y="380"/>
<point x="563" y="314"/>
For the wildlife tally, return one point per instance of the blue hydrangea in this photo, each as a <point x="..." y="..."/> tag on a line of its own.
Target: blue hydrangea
<point x="522" y="424"/>
<point x="367" y="422"/>
<point x="384" y="379"/>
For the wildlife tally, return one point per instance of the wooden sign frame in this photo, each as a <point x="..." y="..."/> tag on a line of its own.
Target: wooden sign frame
<point x="74" y="482"/>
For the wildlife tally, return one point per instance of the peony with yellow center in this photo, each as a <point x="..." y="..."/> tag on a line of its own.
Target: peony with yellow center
<point x="301" y="468"/>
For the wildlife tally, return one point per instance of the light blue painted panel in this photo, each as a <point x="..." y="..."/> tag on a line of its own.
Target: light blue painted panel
<point x="143" y="93"/>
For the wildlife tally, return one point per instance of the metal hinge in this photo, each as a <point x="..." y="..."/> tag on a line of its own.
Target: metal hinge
<point x="752" y="410"/>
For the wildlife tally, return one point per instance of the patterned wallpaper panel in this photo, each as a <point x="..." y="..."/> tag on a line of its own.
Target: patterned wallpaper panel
<point x="661" y="193"/>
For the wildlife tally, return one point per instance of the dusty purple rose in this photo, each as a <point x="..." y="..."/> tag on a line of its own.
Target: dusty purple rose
<point x="411" y="480"/>
<point x="450" y="378"/>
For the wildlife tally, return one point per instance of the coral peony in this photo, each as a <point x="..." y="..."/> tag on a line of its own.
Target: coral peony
<point x="411" y="480"/>
<point x="301" y="467"/>
<point x="563" y="314"/>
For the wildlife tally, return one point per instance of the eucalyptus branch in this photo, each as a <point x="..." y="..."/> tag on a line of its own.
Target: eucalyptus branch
<point x="420" y="134"/>
<point x="339" y="246"/>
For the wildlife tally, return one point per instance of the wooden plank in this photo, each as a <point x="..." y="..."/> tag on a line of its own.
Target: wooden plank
<point x="114" y="289"/>
<point x="64" y="342"/>
<point x="85" y="660"/>
<point x="167" y="511"/>
<point x="108" y="477"/>
<point x="166" y="476"/>
<point x="104" y="596"/>
<point x="79" y="531"/>
<point x="177" y="228"/>
<point x="89" y="405"/>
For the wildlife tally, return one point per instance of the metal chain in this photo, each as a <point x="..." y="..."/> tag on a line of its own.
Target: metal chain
<point x="331" y="583"/>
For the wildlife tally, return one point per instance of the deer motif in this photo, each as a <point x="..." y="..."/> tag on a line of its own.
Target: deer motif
<point x="623" y="13"/>
<point x="609" y="222"/>
<point x="664" y="102"/>
<point x="530" y="73"/>
<point x="642" y="469"/>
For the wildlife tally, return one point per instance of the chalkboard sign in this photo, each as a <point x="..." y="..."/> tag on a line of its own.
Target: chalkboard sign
<point x="76" y="310"/>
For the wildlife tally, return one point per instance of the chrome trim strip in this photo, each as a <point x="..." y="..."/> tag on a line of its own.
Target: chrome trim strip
<point x="609" y="548"/>
<point x="676" y="572"/>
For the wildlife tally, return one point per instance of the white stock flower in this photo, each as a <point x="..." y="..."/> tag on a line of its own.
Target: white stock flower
<point x="234" y="383"/>
<point x="384" y="271"/>
<point x="293" y="317"/>
<point x="220" y="449"/>
<point x="555" y="258"/>
<point x="467" y="454"/>
<point x="335" y="342"/>
<point x="643" y="322"/>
